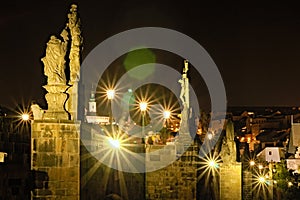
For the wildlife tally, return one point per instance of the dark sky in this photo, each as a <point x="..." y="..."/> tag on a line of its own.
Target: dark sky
<point x="256" y="46"/>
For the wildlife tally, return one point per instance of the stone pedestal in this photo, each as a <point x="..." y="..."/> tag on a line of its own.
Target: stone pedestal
<point x="231" y="181"/>
<point x="55" y="159"/>
<point x="56" y="98"/>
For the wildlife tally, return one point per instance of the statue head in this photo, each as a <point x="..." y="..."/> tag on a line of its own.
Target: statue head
<point x="73" y="8"/>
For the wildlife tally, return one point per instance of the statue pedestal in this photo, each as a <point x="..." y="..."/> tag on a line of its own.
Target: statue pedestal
<point x="56" y="98"/>
<point x="231" y="181"/>
<point x="55" y="159"/>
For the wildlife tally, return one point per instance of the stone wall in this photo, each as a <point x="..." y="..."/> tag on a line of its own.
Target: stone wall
<point x="247" y="185"/>
<point x="177" y="180"/>
<point x="55" y="159"/>
<point x="231" y="181"/>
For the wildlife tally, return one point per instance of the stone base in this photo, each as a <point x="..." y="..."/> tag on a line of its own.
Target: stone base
<point x="55" y="159"/>
<point x="231" y="181"/>
<point x="55" y="115"/>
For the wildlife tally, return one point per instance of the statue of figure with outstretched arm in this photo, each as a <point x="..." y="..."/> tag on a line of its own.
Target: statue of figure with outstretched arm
<point x="54" y="61"/>
<point x="184" y="132"/>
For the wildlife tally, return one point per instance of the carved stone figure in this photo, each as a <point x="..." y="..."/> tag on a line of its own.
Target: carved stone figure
<point x="38" y="112"/>
<point x="76" y="43"/>
<point x="184" y="82"/>
<point x="184" y="132"/>
<point x="228" y="151"/>
<point x="54" y="61"/>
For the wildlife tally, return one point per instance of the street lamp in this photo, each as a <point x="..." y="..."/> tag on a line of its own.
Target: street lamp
<point x="166" y="115"/>
<point x="143" y="107"/>
<point x="110" y="96"/>
<point x="25" y="117"/>
<point x="252" y="163"/>
<point x="209" y="135"/>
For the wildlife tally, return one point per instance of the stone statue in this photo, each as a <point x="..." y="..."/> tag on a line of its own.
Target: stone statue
<point x="76" y="43"/>
<point x="54" y="61"/>
<point x="228" y="150"/>
<point x="38" y="112"/>
<point x="184" y="82"/>
<point x="184" y="132"/>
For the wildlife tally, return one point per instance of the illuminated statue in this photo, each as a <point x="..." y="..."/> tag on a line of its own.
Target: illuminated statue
<point x="76" y="43"/>
<point x="228" y="151"/>
<point x="54" y="61"/>
<point x="184" y="132"/>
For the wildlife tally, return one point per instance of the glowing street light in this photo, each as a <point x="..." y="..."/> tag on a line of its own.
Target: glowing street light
<point x="209" y="135"/>
<point x="212" y="164"/>
<point x="261" y="179"/>
<point x="25" y="117"/>
<point x="260" y="166"/>
<point x="167" y="114"/>
<point x="110" y="94"/>
<point x="252" y="163"/>
<point x="143" y="106"/>
<point x="114" y="143"/>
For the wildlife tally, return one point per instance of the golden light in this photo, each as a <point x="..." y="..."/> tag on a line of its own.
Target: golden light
<point x="110" y="94"/>
<point x="252" y="163"/>
<point x="275" y="182"/>
<point x="209" y="136"/>
<point x="114" y="143"/>
<point x="25" y="116"/>
<point x="209" y="169"/>
<point x="260" y="166"/>
<point x="290" y="184"/>
<point x="212" y="164"/>
<point x="167" y="114"/>
<point x="261" y="179"/>
<point x="143" y="106"/>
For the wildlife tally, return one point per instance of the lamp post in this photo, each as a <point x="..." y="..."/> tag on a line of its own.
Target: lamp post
<point x="143" y="107"/>
<point x="110" y="96"/>
<point x="167" y="115"/>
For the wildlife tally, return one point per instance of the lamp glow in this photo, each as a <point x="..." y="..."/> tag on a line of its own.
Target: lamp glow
<point x="261" y="179"/>
<point x="25" y="117"/>
<point x="114" y="143"/>
<point x="167" y="114"/>
<point x="209" y="135"/>
<point x="143" y="106"/>
<point x="252" y="162"/>
<point x="110" y="94"/>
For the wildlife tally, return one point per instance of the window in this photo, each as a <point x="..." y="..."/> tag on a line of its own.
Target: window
<point x="270" y="153"/>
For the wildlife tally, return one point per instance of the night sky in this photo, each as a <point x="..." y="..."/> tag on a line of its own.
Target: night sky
<point x="256" y="46"/>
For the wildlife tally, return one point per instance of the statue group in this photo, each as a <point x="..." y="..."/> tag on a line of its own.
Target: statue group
<point x="55" y="59"/>
<point x="63" y="55"/>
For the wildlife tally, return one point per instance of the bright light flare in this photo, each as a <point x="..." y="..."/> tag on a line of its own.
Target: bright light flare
<point x="260" y="166"/>
<point x="25" y="116"/>
<point x="209" y="136"/>
<point x="110" y="94"/>
<point x="143" y="106"/>
<point x="252" y="163"/>
<point x="261" y="179"/>
<point x="212" y="164"/>
<point x="167" y="114"/>
<point x="114" y="143"/>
